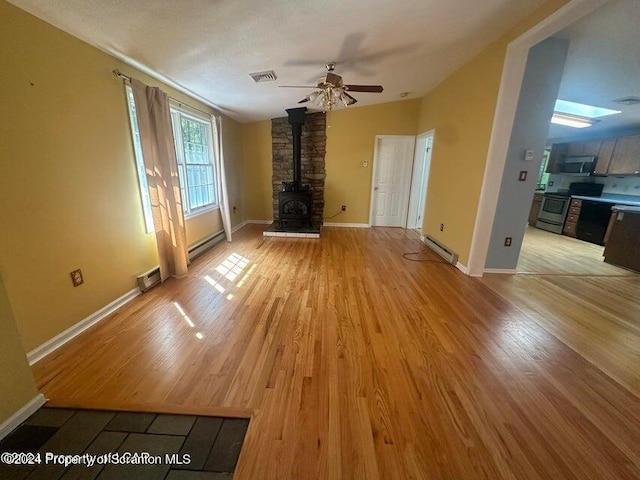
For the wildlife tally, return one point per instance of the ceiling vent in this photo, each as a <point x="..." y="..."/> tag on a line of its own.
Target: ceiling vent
<point x="260" y="77"/>
<point x="627" y="100"/>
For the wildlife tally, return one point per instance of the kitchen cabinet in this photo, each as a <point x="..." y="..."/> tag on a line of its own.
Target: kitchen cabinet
<point x="586" y="148"/>
<point x="604" y="155"/>
<point x="612" y="220"/>
<point x="535" y="209"/>
<point x="623" y="244"/>
<point x="571" y="222"/>
<point x="626" y="156"/>
<point x="556" y="157"/>
<point x="559" y="151"/>
<point x="616" y="156"/>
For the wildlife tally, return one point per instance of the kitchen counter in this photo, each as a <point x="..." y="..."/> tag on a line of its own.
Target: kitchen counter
<point x="618" y="199"/>
<point x="625" y="209"/>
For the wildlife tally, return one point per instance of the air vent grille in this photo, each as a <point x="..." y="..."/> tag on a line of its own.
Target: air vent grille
<point x="627" y="100"/>
<point x="259" y="77"/>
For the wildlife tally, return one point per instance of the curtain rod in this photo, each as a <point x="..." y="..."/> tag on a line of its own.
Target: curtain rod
<point x="117" y="73"/>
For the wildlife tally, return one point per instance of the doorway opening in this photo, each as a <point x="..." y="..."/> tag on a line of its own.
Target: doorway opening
<point x="420" y="181"/>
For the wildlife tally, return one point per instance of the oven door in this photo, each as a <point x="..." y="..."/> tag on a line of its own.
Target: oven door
<point x="553" y="212"/>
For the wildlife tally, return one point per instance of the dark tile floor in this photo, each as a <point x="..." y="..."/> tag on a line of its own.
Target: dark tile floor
<point x="123" y="445"/>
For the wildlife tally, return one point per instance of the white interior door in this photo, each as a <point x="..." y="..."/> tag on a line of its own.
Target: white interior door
<point x="392" y="163"/>
<point x="420" y="180"/>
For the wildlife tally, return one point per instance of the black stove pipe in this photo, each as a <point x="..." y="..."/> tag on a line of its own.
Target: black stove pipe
<point x="296" y="120"/>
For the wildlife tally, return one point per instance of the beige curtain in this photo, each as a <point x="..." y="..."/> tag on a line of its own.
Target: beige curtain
<point x="158" y="151"/>
<point x="221" y="175"/>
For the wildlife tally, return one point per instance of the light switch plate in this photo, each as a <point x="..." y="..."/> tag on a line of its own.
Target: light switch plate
<point x="528" y="155"/>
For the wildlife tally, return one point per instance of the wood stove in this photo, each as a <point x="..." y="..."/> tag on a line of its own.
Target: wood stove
<point x="295" y="201"/>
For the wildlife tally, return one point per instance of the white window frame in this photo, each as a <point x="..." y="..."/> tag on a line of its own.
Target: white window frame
<point x="177" y="113"/>
<point x="141" y="172"/>
<point x="145" y="199"/>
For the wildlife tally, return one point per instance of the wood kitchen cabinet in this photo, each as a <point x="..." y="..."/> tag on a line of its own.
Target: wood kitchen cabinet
<point x="616" y="156"/>
<point x="586" y="148"/>
<point x="626" y="156"/>
<point x="571" y="222"/>
<point x="556" y="157"/>
<point x="623" y="244"/>
<point x="535" y="208"/>
<point x="604" y="155"/>
<point x="612" y="219"/>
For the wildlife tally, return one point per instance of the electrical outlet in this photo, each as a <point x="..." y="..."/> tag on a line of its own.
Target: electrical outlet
<point x="76" y="278"/>
<point x="507" y="241"/>
<point x="442" y="227"/>
<point x="344" y="208"/>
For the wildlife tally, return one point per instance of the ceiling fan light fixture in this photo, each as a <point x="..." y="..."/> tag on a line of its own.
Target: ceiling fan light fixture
<point x="313" y="96"/>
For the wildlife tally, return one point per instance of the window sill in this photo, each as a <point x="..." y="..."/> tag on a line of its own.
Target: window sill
<point x="202" y="211"/>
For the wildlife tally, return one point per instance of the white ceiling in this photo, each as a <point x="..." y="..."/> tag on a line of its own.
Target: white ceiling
<point x="209" y="47"/>
<point x="603" y="64"/>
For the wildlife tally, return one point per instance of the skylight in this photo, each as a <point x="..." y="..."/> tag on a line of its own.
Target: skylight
<point x="582" y="110"/>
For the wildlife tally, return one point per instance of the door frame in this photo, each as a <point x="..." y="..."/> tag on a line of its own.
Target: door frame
<point x="502" y="125"/>
<point x="373" y="179"/>
<point x="424" y="178"/>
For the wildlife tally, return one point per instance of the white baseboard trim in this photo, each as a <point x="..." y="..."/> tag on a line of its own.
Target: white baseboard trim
<point x="28" y="409"/>
<point x="346" y="225"/>
<point x="56" y="342"/>
<point x="250" y="222"/>
<point x="509" y="271"/>
<point x="238" y="227"/>
<point x="463" y="268"/>
<point x="259" y="222"/>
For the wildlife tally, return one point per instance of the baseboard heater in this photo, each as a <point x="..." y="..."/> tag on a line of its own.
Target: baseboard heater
<point x="152" y="278"/>
<point x="441" y="250"/>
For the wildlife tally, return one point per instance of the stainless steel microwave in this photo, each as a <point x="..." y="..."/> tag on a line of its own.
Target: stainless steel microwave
<point x="579" y="165"/>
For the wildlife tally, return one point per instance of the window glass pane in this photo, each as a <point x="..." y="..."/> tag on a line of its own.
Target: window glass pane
<point x="140" y="170"/>
<point x="193" y="141"/>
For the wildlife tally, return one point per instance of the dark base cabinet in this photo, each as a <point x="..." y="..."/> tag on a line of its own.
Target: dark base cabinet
<point x="593" y="221"/>
<point x="623" y="244"/>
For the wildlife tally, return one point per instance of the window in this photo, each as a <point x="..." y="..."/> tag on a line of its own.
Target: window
<point x="194" y="152"/>
<point x="142" y="174"/>
<point x="543" y="176"/>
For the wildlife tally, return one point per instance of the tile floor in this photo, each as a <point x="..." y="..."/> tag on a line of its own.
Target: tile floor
<point x="212" y="445"/>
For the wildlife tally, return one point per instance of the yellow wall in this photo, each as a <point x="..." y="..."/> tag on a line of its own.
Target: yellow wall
<point x="232" y="141"/>
<point x="16" y="382"/>
<point x="350" y="140"/>
<point x="461" y="110"/>
<point x="69" y="195"/>
<point x="351" y="137"/>
<point x="256" y="151"/>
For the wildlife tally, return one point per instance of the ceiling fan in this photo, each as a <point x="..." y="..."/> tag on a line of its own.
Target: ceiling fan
<point x="331" y="91"/>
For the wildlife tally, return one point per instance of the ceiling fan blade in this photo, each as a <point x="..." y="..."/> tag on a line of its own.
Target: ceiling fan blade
<point x="333" y="79"/>
<point x="365" y="88"/>
<point x="351" y="99"/>
<point x="297" y="86"/>
<point x="304" y="100"/>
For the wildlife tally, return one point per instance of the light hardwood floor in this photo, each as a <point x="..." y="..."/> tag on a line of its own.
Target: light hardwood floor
<point x="549" y="253"/>
<point x="358" y="364"/>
